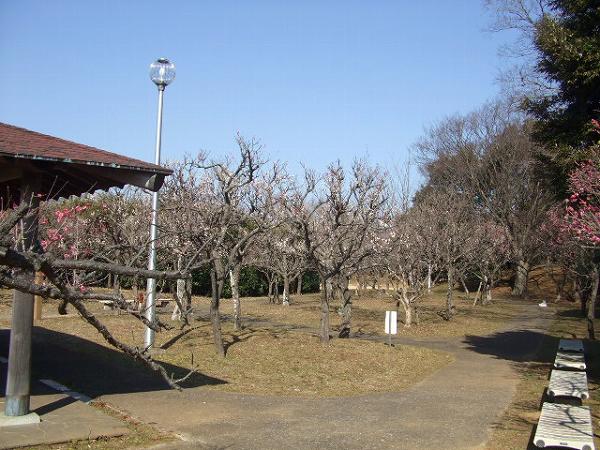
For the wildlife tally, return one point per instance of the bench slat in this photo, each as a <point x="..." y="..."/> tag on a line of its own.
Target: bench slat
<point x="565" y="360"/>
<point x="564" y="426"/>
<point x="571" y="345"/>
<point x="564" y="383"/>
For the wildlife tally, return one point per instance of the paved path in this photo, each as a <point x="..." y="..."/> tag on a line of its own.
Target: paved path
<point x="452" y="409"/>
<point x="63" y="419"/>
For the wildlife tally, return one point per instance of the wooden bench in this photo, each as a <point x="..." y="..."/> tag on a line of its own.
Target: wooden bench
<point x="110" y="304"/>
<point x="571" y="345"/>
<point x="568" y="360"/>
<point x="568" y="383"/>
<point x="564" y="426"/>
<point x="162" y="302"/>
<point x="159" y="303"/>
<point x="107" y="304"/>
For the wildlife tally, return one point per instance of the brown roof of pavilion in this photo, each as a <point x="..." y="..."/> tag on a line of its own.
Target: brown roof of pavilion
<point x="64" y="168"/>
<point x="22" y="143"/>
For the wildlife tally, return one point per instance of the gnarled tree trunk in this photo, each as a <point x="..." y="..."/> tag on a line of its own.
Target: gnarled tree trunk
<point x="359" y="286"/>
<point x="286" y="290"/>
<point x="179" y="293"/>
<point x="521" y="276"/>
<point x="299" y="284"/>
<point x="188" y="296"/>
<point x="346" y="310"/>
<point x="325" y="296"/>
<point x="270" y="283"/>
<point x="216" y="281"/>
<point x="407" y="306"/>
<point x="234" y="278"/>
<point x="477" y="293"/>
<point x="465" y="287"/>
<point x="276" y="290"/>
<point x="329" y="289"/>
<point x="449" y="294"/>
<point x="591" y="306"/>
<point x="487" y="290"/>
<point x="429" y="271"/>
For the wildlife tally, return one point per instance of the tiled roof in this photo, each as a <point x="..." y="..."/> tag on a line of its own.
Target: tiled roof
<point x="59" y="168"/>
<point x="19" y="142"/>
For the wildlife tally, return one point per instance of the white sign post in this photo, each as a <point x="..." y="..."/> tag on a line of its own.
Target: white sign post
<point x="391" y="324"/>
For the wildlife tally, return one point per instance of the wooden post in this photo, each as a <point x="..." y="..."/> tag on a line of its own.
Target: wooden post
<point x="37" y="304"/>
<point x="19" y="353"/>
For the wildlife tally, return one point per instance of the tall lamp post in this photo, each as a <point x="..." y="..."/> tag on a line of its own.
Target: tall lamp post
<point x="162" y="72"/>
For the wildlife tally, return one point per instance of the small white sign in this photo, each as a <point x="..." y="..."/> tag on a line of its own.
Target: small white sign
<point x="391" y="322"/>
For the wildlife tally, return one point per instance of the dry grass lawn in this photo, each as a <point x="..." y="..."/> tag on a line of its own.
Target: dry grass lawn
<point x="368" y="313"/>
<point x="297" y="364"/>
<point x="276" y="362"/>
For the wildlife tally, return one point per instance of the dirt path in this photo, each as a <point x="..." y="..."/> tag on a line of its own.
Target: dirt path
<point x="452" y="409"/>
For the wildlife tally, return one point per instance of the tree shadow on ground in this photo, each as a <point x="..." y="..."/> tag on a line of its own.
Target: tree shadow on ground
<point x="521" y="346"/>
<point x="94" y="369"/>
<point x="247" y="333"/>
<point x="230" y="341"/>
<point x="176" y="338"/>
<point x="574" y="313"/>
<point x="531" y="346"/>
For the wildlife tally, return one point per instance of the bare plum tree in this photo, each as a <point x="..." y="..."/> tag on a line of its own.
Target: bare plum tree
<point x="336" y="218"/>
<point x="227" y="204"/>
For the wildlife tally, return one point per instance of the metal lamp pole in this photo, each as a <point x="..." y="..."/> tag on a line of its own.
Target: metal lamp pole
<point x="162" y="72"/>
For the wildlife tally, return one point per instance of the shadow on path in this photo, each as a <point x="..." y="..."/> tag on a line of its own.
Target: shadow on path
<point x="531" y="346"/>
<point x="94" y="369"/>
<point x="515" y="345"/>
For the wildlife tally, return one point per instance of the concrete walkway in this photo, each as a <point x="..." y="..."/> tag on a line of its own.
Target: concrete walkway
<point x="452" y="409"/>
<point x="63" y="419"/>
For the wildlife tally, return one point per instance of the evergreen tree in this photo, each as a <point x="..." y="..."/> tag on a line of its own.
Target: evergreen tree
<point x="568" y="43"/>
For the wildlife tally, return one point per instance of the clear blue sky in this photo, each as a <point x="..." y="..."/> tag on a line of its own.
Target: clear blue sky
<point x="313" y="80"/>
